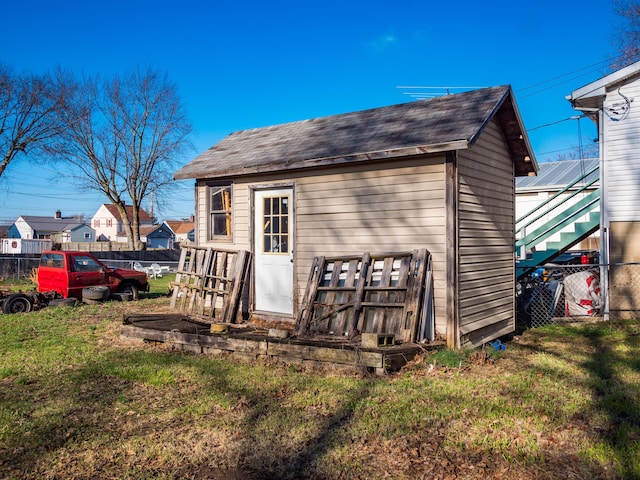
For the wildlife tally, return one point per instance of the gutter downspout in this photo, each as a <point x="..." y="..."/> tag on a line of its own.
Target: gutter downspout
<point x="604" y="223"/>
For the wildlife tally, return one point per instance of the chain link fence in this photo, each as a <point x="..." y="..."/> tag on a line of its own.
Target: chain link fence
<point x="15" y="268"/>
<point x="559" y="294"/>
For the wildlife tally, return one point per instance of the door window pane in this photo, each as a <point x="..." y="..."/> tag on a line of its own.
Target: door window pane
<point x="275" y="234"/>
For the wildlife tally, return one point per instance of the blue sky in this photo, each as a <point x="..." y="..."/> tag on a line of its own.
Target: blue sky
<point x="250" y="64"/>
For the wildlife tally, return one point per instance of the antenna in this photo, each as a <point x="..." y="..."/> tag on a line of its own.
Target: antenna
<point x="421" y="92"/>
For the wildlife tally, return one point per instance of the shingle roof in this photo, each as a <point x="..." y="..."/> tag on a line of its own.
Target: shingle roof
<point x="427" y="126"/>
<point x="143" y="215"/>
<point x="51" y="224"/>
<point x="557" y="175"/>
<point x="179" y="226"/>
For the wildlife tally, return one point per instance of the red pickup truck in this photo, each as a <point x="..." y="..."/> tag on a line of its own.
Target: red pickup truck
<point x="68" y="273"/>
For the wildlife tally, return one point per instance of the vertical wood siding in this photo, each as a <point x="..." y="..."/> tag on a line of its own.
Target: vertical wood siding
<point x="486" y="272"/>
<point x="621" y="156"/>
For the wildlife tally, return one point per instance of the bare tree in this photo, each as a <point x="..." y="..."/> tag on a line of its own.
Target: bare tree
<point x="581" y="152"/>
<point x="122" y="135"/>
<point x="627" y="37"/>
<point x="28" y="104"/>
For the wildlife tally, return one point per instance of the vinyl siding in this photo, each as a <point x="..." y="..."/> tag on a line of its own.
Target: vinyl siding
<point x="486" y="239"/>
<point x="622" y="156"/>
<point x="380" y="207"/>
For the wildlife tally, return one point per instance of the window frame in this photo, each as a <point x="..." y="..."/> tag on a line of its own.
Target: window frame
<point x="225" y="214"/>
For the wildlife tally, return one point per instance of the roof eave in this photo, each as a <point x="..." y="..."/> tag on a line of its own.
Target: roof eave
<point x="591" y="95"/>
<point x="185" y="173"/>
<point x="522" y="155"/>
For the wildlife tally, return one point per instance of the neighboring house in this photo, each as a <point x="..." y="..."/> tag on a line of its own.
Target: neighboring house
<point x="613" y="102"/>
<point x="154" y="236"/>
<point x="435" y="174"/>
<point x="184" y="231"/>
<point x="552" y="179"/>
<point x="108" y="224"/>
<point x="56" y="228"/>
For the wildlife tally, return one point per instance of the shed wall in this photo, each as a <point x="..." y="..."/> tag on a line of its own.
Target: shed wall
<point x="486" y="272"/>
<point x="375" y="207"/>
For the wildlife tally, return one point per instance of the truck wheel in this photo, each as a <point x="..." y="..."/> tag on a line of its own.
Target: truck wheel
<point x="130" y="289"/>
<point x="95" y="293"/>
<point x="17" y="303"/>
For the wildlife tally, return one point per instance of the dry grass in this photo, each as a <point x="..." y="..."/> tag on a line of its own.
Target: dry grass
<point x="76" y="401"/>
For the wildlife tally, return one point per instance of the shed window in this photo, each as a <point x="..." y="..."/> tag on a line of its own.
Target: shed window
<point x="220" y="212"/>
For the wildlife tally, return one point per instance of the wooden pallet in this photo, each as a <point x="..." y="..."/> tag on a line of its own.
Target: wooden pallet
<point x="209" y="282"/>
<point x="383" y="293"/>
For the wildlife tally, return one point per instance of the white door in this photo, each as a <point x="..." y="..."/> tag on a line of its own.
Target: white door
<point x="274" y="251"/>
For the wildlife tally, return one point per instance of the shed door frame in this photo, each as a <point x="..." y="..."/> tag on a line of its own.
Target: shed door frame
<point x="264" y="275"/>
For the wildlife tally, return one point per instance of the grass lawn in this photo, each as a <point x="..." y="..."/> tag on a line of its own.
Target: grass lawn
<point x="77" y="401"/>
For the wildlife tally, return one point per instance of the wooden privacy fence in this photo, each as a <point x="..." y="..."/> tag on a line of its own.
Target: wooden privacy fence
<point x="209" y="282"/>
<point x="390" y="293"/>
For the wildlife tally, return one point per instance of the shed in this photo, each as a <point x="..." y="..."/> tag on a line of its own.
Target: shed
<point x="435" y="174"/>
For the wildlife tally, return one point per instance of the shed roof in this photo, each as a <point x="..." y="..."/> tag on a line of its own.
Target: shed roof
<point x="554" y="176"/>
<point x="440" y="124"/>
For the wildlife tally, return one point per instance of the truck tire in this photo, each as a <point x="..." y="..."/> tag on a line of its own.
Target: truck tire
<point x="131" y="289"/>
<point x="95" y="293"/>
<point x="17" y="303"/>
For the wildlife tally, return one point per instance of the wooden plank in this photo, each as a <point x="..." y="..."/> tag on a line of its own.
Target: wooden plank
<point x="306" y="308"/>
<point x="379" y="316"/>
<point x="219" y="280"/>
<point x="347" y="294"/>
<point x="176" y="288"/>
<point x="415" y="292"/>
<point x="366" y="271"/>
<point x="240" y="275"/>
<point x="336" y="269"/>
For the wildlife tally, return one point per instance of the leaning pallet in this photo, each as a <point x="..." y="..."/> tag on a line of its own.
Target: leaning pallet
<point x="370" y="293"/>
<point x="209" y="282"/>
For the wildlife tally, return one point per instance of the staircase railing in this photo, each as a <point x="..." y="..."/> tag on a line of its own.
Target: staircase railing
<point x="561" y="214"/>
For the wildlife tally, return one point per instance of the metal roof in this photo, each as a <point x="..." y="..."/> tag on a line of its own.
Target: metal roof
<point x="440" y="124"/>
<point x="556" y="175"/>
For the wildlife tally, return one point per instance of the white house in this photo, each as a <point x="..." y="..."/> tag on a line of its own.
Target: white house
<point x="56" y="228"/>
<point x="613" y="102"/>
<point x="107" y="222"/>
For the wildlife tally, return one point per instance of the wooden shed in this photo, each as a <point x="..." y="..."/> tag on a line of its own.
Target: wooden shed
<point x="433" y="174"/>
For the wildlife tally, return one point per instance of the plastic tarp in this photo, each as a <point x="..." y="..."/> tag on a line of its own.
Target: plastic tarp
<point x="582" y="293"/>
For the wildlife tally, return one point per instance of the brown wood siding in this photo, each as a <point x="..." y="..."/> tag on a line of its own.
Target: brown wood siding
<point x="380" y="207"/>
<point x="486" y="238"/>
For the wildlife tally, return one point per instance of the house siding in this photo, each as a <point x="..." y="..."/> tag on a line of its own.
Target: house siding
<point x="621" y="139"/>
<point x="374" y="207"/>
<point x="486" y="272"/>
<point x="622" y="198"/>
